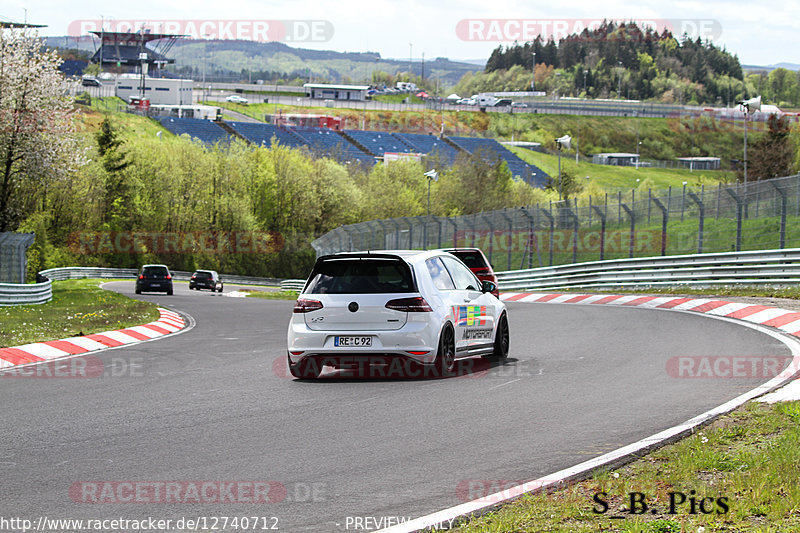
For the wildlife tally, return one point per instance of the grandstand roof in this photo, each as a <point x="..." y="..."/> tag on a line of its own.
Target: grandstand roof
<point x="332" y="86"/>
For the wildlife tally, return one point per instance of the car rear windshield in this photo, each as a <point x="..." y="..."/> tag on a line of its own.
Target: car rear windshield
<point x="361" y="276"/>
<point x="154" y="271"/>
<point x="202" y="275"/>
<point x="471" y="259"/>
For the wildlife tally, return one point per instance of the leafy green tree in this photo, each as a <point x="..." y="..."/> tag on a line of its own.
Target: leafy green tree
<point x="771" y="156"/>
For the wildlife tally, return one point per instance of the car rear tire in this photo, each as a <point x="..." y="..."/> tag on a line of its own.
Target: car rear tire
<point x="138" y="291"/>
<point x="501" y="341"/>
<point x="169" y="292"/>
<point x="445" y="360"/>
<point x="305" y="369"/>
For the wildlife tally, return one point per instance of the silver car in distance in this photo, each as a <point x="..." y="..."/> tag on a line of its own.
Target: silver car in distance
<point x="417" y="312"/>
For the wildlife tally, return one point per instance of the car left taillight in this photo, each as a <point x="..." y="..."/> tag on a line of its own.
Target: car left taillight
<point x="304" y="305"/>
<point x="141" y="276"/>
<point x="169" y="277"/>
<point x="409" y="305"/>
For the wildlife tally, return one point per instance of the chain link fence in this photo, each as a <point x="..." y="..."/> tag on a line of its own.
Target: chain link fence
<point x="757" y="216"/>
<point x="13" y="261"/>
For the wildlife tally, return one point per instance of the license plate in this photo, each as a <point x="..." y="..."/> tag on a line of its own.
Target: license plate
<point x="352" y="341"/>
<point x="155" y="284"/>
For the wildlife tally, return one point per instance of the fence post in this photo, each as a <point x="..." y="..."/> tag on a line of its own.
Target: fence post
<point x="664" y="220"/>
<point x="396" y="233"/>
<point x="702" y="207"/>
<point x="602" y="231"/>
<point x="455" y="231"/>
<point x="349" y="238"/>
<point x="576" y="222"/>
<point x="439" y="224"/>
<point x="550" y="218"/>
<point x="510" y="239"/>
<point x="633" y="228"/>
<point x="531" y="240"/>
<point x="488" y="220"/>
<point x="783" y="214"/>
<point x="739" y="210"/>
<point x="383" y="239"/>
<point x="474" y="230"/>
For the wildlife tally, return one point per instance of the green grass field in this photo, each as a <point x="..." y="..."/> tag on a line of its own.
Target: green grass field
<point x="613" y="178"/>
<point x="746" y="466"/>
<point x="78" y="307"/>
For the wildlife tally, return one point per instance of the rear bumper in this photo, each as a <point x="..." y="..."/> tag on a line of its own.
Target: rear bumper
<point x="386" y="345"/>
<point x="154" y="286"/>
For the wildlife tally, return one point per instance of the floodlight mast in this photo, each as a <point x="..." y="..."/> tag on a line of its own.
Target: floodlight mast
<point x="748" y="106"/>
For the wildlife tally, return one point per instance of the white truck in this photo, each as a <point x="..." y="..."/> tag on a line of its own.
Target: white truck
<point x="489" y="100"/>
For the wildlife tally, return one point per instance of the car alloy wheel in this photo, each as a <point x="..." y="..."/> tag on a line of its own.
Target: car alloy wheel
<point x="446" y="355"/>
<point x="501" y="341"/>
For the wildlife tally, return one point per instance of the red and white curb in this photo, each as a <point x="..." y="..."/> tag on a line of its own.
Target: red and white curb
<point x="758" y="317"/>
<point x="169" y="322"/>
<point x="782" y="319"/>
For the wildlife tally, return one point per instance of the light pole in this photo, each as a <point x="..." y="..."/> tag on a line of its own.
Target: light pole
<point x="533" y="73"/>
<point x="748" y="106"/>
<point x="619" y="81"/>
<point x="432" y="176"/>
<point x="585" y="72"/>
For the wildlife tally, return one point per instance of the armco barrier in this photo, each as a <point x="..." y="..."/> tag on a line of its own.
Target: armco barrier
<point x="16" y="294"/>
<point x="293" y="285"/>
<point x="39" y="293"/>
<point x="764" y="267"/>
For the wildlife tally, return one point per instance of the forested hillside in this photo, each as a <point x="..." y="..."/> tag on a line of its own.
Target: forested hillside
<point x="625" y="61"/>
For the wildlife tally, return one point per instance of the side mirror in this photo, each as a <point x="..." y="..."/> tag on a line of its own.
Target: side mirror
<point x="488" y="286"/>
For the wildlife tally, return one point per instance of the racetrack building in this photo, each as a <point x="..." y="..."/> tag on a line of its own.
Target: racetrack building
<point x="327" y="91"/>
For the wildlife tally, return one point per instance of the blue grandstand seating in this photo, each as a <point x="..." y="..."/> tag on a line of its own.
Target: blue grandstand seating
<point x="429" y="144"/>
<point x="530" y="173"/>
<point x="204" y="130"/>
<point x="379" y="142"/>
<point x="262" y="134"/>
<point x="325" y="141"/>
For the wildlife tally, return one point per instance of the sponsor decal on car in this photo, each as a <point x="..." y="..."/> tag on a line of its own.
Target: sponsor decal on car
<point x="469" y="315"/>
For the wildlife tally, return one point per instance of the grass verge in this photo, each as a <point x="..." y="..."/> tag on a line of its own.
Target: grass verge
<point x="741" y="473"/>
<point x="78" y="307"/>
<point x="270" y="295"/>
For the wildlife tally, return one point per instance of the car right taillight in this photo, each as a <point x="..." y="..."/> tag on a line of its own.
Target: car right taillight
<point x="481" y="271"/>
<point x="303" y="305"/>
<point x="409" y="305"/>
<point x="141" y="276"/>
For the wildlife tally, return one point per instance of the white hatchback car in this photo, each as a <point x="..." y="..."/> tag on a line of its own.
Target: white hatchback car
<point x="410" y="310"/>
<point x="236" y="99"/>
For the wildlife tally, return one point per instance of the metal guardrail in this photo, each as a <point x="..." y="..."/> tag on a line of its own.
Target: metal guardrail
<point x="25" y="294"/>
<point x="39" y="293"/>
<point x="58" y="274"/>
<point x="767" y="267"/>
<point x="293" y="285"/>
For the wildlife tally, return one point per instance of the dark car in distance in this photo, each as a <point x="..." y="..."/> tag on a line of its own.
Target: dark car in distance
<point x="477" y="262"/>
<point x="205" y="279"/>
<point x="154" y="278"/>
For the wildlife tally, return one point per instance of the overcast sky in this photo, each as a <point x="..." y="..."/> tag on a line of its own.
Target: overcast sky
<point x="457" y="29"/>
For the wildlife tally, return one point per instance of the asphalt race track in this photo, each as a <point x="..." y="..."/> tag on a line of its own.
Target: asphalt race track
<point x="215" y="404"/>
